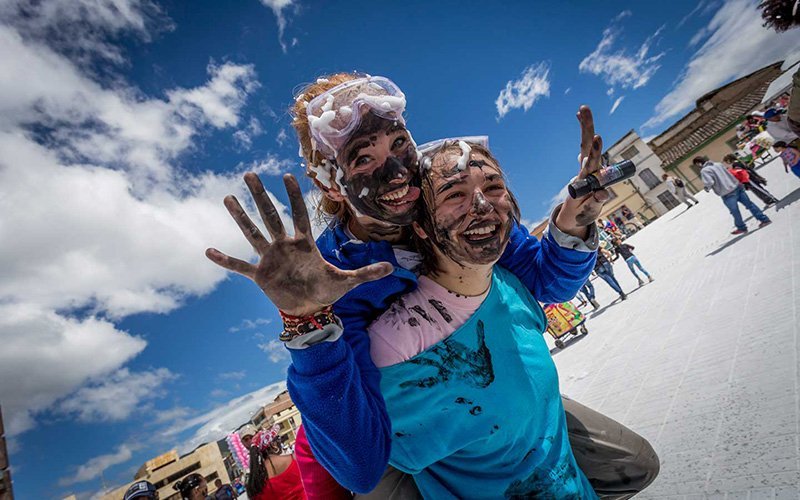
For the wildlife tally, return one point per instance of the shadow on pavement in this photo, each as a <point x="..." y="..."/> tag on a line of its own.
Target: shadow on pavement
<point x="788" y="200"/>
<point x="684" y="211"/>
<point x="568" y="343"/>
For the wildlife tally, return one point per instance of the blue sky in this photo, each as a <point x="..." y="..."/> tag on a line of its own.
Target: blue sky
<point x="122" y="130"/>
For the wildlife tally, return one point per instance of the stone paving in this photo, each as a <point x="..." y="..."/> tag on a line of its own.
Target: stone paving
<point x="704" y="361"/>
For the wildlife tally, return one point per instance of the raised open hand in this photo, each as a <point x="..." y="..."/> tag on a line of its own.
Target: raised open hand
<point x="290" y="270"/>
<point x="577" y="213"/>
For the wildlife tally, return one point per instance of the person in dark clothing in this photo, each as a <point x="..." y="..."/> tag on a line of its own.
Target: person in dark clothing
<point x="626" y="252"/>
<point x="604" y="269"/>
<point x="224" y="491"/>
<point x="588" y="291"/>
<point x="755" y="182"/>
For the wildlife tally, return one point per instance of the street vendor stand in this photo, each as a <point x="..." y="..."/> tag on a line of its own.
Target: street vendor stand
<point x="564" y="319"/>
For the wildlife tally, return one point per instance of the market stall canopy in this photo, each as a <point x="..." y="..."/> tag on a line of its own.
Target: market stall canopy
<point x="782" y="83"/>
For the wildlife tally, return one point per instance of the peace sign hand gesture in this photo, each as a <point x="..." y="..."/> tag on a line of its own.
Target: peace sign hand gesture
<point x="290" y="270"/>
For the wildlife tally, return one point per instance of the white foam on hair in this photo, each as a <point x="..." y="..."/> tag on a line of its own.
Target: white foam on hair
<point x="363" y="192"/>
<point x="465" y="151"/>
<point x="323" y="173"/>
<point x="395" y="103"/>
<point x="345" y="112"/>
<point x="322" y="80"/>
<point x="328" y="103"/>
<point x="299" y="98"/>
<point x="340" y="180"/>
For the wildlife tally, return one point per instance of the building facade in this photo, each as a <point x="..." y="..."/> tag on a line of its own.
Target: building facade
<point x="645" y="194"/>
<point x="284" y="413"/>
<point x="165" y="470"/>
<point x="710" y="128"/>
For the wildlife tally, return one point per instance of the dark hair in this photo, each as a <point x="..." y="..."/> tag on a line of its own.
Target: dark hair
<point x="700" y="160"/>
<point x="187" y="484"/>
<point x="730" y="158"/>
<point x="777" y="14"/>
<point x="425" y="245"/>
<point x="780" y="144"/>
<point x="259" y="476"/>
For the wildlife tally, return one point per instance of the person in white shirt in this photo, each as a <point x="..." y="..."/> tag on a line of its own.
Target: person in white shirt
<point x="778" y="126"/>
<point x="678" y="188"/>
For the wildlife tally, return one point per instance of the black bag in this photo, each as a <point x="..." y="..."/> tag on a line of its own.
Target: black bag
<point x="678" y="182"/>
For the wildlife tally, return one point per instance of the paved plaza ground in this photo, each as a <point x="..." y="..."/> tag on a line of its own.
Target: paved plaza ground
<point x="704" y="360"/>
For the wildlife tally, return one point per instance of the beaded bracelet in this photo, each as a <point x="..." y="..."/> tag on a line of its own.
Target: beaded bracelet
<point x="295" y="326"/>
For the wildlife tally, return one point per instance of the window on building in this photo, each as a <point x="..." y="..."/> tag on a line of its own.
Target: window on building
<point x="629" y="153"/>
<point x="668" y="200"/>
<point x="611" y="193"/>
<point x="649" y="178"/>
<point x="177" y="475"/>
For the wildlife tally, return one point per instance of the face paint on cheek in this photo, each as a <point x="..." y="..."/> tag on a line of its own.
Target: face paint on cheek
<point x="374" y="194"/>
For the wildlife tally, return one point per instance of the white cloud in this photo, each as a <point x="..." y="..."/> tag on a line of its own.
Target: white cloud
<point x="249" y="324"/>
<point x="271" y="165"/>
<point x="276" y="351"/>
<point x="568" y="90"/>
<point x="244" y="137"/>
<point x="523" y="93"/>
<point x="97" y="217"/>
<point x="82" y="29"/>
<point x="97" y="465"/>
<point x="277" y="7"/>
<point x="737" y="45"/>
<point x="233" y="375"/>
<point x="115" y="397"/>
<point x="45" y="356"/>
<point x="282" y="137"/>
<point x="617" y="67"/>
<point x="617" y="102"/>
<point x="225" y="418"/>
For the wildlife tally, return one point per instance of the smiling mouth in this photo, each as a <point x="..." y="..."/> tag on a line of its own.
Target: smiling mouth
<point x="400" y="198"/>
<point x="482" y="232"/>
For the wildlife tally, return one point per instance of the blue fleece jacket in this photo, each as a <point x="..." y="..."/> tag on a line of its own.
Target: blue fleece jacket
<point x="336" y="386"/>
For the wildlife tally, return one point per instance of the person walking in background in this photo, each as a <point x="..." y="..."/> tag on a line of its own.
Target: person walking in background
<point x="747" y="177"/>
<point x="631" y="218"/>
<point x="790" y="156"/>
<point x="678" y="188"/>
<point x="588" y="292"/>
<point x="715" y="176"/>
<point x="224" y="491"/>
<point x="626" y="252"/>
<point x="605" y="270"/>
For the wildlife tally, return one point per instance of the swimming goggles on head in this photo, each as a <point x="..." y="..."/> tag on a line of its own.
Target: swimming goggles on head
<point x="430" y="147"/>
<point x="336" y="114"/>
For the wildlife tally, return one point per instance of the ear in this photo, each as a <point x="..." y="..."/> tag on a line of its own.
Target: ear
<point x="419" y="231"/>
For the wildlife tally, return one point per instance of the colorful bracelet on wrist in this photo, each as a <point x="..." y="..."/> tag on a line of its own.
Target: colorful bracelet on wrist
<point x="295" y="326"/>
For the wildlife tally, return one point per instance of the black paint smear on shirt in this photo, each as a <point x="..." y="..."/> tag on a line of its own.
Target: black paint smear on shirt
<point x="455" y="361"/>
<point x="441" y="309"/>
<point x="419" y="310"/>
<point x="555" y="483"/>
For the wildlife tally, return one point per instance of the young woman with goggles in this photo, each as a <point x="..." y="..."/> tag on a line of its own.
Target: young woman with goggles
<point x="359" y="153"/>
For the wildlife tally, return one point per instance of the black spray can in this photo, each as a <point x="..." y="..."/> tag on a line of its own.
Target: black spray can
<point x="603" y="178"/>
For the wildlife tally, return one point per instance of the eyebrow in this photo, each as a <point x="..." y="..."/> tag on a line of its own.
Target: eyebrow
<point x="493" y="177"/>
<point x="354" y="149"/>
<point x="450" y="184"/>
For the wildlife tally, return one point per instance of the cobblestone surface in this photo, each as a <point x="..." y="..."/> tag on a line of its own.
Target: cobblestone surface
<point x="704" y="360"/>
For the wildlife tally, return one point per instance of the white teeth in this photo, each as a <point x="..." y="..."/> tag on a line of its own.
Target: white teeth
<point x="395" y="195"/>
<point x="481" y="230"/>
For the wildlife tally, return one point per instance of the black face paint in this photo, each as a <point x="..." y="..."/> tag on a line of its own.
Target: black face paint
<point x="365" y="190"/>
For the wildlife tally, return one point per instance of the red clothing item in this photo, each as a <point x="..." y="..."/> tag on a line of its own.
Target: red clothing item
<point x="285" y="486"/>
<point x="318" y="482"/>
<point x="741" y="175"/>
